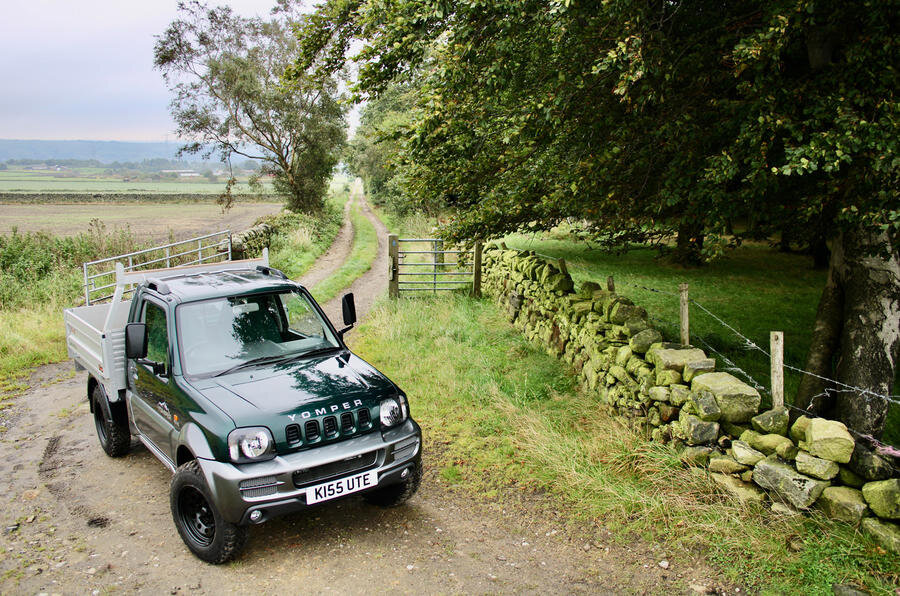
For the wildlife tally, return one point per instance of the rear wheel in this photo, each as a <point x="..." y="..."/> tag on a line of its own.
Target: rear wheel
<point x="114" y="435"/>
<point x="396" y="494"/>
<point x="199" y="522"/>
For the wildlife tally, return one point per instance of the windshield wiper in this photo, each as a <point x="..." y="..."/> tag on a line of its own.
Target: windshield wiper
<point x="316" y="352"/>
<point x="251" y="362"/>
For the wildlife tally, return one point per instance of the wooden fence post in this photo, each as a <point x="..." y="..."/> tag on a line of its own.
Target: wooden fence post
<point x="610" y="284"/>
<point x="776" y="348"/>
<point x="394" y="267"/>
<point x="476" y="271"/>
<point x="685" y="323"/>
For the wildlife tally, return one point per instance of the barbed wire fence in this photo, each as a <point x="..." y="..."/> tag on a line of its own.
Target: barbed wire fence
<point x="836" y="387"/>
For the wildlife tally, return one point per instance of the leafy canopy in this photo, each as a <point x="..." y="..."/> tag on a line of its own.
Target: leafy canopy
<point x="640" y="117"/>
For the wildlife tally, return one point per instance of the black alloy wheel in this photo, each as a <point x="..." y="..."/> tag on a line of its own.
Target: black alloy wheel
<point x="202" y="528"/>
<point x="196" y="516"/>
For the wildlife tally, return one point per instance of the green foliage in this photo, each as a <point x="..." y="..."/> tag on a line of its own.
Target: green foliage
<point x="225" y="72"/>
<point x="500" y="416"/>
<point x="641" y="118"/>
<point x="374" y="152"/>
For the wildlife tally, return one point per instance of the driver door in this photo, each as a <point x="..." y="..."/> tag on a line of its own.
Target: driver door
<point x="152" y="392"/>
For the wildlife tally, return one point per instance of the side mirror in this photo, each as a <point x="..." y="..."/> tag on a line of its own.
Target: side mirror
<point x="136" y="340"/>
<point x="349" y="308"/>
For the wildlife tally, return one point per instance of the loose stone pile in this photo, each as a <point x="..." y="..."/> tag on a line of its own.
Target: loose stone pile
<point x="712" y="417"/>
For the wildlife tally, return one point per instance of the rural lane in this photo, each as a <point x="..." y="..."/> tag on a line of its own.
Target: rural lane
<point x="76" y="521"/>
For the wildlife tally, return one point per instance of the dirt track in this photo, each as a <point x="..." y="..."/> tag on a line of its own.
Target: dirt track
<point x="76" y="521"/>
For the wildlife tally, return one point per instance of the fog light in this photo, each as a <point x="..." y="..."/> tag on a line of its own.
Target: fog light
<point x="255" y="516"/>
<point x="404" y="473"/>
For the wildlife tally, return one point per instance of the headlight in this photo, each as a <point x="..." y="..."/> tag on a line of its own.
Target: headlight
<point x="392" y="412"/>
<point x="251" y="444"/>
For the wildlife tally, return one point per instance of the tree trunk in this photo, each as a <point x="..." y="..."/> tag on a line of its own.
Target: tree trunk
<point x="812" y="395"/>
<point x="870" y="339"/>
<point x="858" y="325"/>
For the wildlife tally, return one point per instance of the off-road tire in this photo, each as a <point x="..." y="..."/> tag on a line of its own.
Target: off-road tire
<point x="114" y="436"/>
<point x="395" y="495"/>
<point x="198" y="520"/>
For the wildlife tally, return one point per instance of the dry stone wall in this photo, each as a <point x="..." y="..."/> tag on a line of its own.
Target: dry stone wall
<point x="675" y="392"/>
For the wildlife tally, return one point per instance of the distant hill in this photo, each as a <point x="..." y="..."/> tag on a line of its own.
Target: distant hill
<point x="105" y="151"/>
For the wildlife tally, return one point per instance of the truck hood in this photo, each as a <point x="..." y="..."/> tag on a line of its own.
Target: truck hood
<point x="279" y="394"/>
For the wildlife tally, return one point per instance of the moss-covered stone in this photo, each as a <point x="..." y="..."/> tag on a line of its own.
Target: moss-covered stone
<point x="829" y="439"/>
<point x="666" y="377"/>
<point x="742" y="490"/>
<point x="706" y="406"/>
<point x="771" y="421"/>
<point x="884" y="533"/>
<point x="768" y="444"/>
<point x="699" y="432"/>
<point x="868" y="464"/>
<point x="798" y="430"/>
<point x="641" y="341"/>
<point x="678" y="395"/>
<point x="737" y="400"/>
<point x="657" y="393"/>
<point x="850" y="478"/>
<point x="673" y="358"/>
<point x="843" y="503"/>
<point x="789" y="484"/>
<point x="745" y="454"/>
<point x="787" y="450"/>
<point x="816" y="467"/>
<point x="733" y="430"/>
<point x="726" y="465"/>
<point x="883" y="497"/>
<point x="696" y="455"/>
<point x="698" y="367"/>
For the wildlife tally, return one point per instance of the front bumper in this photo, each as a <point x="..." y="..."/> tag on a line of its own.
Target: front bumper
<point x="273" y="488"/>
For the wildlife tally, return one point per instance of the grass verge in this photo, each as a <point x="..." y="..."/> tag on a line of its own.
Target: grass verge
<point x="499" y="416"/>
<point x="362" y="255"/>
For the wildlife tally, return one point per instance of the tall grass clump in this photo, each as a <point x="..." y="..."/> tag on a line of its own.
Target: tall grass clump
<point x="40" y="275"/>
<point x="499" y="415"/>
<point x="300" y="239"/>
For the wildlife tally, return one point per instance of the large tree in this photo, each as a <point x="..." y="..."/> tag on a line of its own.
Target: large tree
<point x="226" y="74"/>
<point x="657" y="118"/>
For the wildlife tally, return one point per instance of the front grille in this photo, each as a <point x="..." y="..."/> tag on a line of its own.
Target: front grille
<point x="329" y="425"/>
<point x="292" y="433"/>
<point x="312" y="430"/>
<point x="333" y="469"/>
<point x="363" y="417"/>
<point x="259" y="487"/>
<point x="346" y="422"/>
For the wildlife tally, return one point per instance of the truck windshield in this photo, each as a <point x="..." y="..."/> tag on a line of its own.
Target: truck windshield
<point x="219" y="334"/>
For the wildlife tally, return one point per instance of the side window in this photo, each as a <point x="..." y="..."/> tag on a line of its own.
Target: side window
<point x="157" y="333"/>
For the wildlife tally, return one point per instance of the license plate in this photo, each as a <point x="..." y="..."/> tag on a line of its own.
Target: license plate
<point x="341" y="487"/>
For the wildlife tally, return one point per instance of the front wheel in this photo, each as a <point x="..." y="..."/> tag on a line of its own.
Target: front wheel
<point x="114" y="435"/>
<point x="395" y="495"/>
<point x="198" y="520"/>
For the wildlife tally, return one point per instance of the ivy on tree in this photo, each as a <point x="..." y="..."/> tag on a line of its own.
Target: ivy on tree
<point x="225" y="72"/>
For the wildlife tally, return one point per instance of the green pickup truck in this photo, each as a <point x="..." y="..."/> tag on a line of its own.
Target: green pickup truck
<point x="234" y="378"/>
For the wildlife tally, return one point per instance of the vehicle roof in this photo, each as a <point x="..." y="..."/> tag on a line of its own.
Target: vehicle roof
<point x="189" y="287"/>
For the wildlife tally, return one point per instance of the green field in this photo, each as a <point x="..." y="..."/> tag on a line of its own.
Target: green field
<point x="88" y="180"/>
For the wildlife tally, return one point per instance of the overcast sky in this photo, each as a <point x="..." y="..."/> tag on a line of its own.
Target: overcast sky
<point x="83" y="69"/>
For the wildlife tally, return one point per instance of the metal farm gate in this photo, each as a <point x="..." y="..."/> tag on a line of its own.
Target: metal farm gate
<point x="422" y="265"/>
